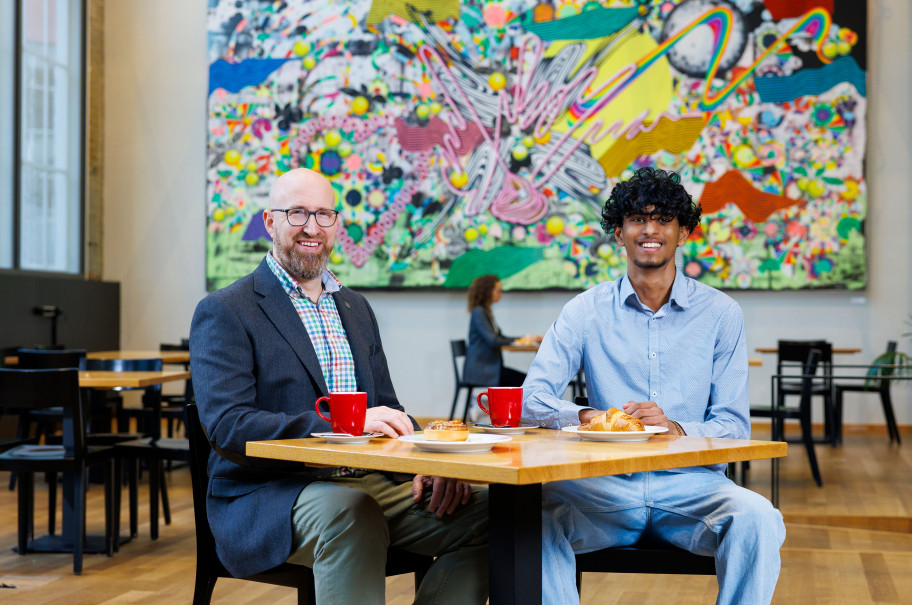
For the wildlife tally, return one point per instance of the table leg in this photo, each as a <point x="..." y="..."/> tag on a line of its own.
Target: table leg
<point x="515" y="543"/>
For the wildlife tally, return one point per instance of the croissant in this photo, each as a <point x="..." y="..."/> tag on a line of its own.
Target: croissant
<point x="613" y="420"/>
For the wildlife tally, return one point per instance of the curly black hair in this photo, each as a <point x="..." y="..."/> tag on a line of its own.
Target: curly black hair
<point x="660" y="189"/>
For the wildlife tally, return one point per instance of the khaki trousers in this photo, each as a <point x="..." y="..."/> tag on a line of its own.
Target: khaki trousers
<point x="343" y="527"/>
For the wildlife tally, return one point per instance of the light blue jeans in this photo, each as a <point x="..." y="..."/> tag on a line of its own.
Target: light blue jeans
<point x="698" y="510"/>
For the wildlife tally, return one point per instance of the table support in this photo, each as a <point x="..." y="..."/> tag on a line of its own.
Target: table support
<point x="515" y="543"/>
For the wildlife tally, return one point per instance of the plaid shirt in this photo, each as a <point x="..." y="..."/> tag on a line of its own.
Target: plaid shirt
<point x="323" y="325"/>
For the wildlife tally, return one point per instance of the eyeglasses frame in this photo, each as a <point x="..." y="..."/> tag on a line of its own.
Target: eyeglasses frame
<point x="310" y="213"/>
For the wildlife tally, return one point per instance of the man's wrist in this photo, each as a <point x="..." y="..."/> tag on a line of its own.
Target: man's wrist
<point x="678" y="427"/>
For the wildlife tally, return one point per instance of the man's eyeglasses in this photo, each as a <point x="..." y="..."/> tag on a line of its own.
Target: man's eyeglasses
<point x="298" y="217"/>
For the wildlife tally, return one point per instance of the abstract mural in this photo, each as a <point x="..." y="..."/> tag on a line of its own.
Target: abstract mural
<point x="467" y="137"/>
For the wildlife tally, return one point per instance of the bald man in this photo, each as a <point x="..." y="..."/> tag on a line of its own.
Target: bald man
<point x="262" y="351"/>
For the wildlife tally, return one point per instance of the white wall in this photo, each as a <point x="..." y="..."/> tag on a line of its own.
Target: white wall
<point x="156" y="82"/>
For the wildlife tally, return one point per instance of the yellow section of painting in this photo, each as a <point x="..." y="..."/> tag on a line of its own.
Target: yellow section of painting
<point x="650" y="92"/>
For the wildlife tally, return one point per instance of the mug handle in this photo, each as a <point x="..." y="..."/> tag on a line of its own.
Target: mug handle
<point x="317" y="407"/>
<point x="480" y="404"/>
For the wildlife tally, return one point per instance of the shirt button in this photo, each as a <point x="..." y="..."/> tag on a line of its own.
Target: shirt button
<point x="653" y="354"/>
<point x="654" y="394"/>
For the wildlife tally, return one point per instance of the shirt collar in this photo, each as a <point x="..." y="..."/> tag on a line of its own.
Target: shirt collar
<point x="330" y="282"/>
<point x="678" y="291"/>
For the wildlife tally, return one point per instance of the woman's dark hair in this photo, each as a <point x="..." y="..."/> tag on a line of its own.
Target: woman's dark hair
<point x="650" y="187"/>
<point x="481" y="290"/>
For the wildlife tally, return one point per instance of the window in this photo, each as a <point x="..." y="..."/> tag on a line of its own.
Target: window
<point x="42" y="53"/>
<point x="7" y="141"/>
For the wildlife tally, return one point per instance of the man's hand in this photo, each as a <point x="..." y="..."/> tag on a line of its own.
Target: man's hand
<point x="588" y="414"/>
<point x="650" y="413"/>
<point x="446" y="494"/>
<point x="388" y="421"/>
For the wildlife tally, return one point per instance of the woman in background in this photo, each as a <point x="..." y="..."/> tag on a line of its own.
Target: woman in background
<point x="484" y="361"/>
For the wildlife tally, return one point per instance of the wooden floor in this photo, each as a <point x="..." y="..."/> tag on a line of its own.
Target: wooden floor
<point x="848" y="542"/>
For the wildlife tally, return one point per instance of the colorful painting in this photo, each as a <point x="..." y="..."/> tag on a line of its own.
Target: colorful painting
<point x="467" y="137"/>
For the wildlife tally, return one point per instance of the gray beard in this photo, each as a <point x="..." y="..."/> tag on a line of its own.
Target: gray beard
<point x="301" y="266"/>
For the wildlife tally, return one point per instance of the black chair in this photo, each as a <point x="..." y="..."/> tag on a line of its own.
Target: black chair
<point x="45" y="420"/>
<point x="778" y="413"/>
<point x="458" y="350"/>
<point x="792" y="355"/>
<point x="36" y="389"/>
<point x="208" y="567"/>
<point x="45" y="359"/>
<point x="147" y="446"/>
<point x="643" y="557"/>
<point x="173" y="405"/>
<point x="872" y="385"/>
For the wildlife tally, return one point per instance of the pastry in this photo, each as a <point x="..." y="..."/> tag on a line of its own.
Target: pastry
<point x="613" y="420"/>
<point x="446" y="430"/>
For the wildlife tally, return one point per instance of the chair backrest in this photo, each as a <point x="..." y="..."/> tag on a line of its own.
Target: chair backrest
<point x="183" y="346"/>
<point x="458" y="349"/>
<point x="206" y="556"/>
<point x="26" y="389"/>
<point x="46" y="359"/>
<point x="877" y="368"/>
<point x="809" y="369"/>
<point x="796" y="351"/>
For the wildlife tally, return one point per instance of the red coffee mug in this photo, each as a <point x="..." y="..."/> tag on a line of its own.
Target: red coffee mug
<point x="505" y="403"/>
<point x="346" y="411"/>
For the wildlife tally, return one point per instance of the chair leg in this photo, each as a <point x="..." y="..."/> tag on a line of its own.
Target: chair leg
<point x="468" y="402"/>
<point x="808" y="439"/>
<point x="888" y="414"/>
<point x="830" y="419"/>
<point x="26" y="483"/>
<point x="116" y="503"/>
<point x="452" y="407"/>
<point x="79" y="498"/>
<point x="51" y="480"/>
<point x="134" y="496"/>
<point x="166" y="508"/>
<point x="154" y="483"/>
<point x="202" y="589"/>
<point x="837" y="413"/>
<point x="109" y="507"/>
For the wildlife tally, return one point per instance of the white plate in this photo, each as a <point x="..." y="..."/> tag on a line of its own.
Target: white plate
<point x="616" y="435"/>
<point x="475" y="443"/>
<point x="346" y="438"/>
<point x="505" y="430"/>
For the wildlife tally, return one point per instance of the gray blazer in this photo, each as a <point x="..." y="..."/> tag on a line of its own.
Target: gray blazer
<point x="483" y="357"/>
<point x="256" y="377"/>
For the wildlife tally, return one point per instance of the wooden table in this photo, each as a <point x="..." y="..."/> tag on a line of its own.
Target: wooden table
<point x="516" y="470"/>
<point x="836" y="350"/>
<point x="165" y="356"/>
<point x="134" y="380"/>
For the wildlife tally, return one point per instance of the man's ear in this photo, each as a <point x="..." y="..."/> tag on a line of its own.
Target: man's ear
<point x="618" y="236"/>
<point x="683" y="235"/>
<point x="268" y="223"/>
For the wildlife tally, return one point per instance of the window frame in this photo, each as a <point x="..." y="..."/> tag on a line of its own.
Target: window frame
<point x="79" y="7"/>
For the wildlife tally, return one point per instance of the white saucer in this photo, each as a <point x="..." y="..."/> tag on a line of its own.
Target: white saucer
<point x="505" y="430"/>
<point x="346" y="438"/>
<point x="616" y="435"/>
<point x="475" y="443"/>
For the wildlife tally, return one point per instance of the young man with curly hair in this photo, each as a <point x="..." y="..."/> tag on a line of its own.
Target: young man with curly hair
<point x="670" y="351"/>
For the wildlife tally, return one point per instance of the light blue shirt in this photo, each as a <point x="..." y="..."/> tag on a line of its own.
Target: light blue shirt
<point x="690" y="357"/>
